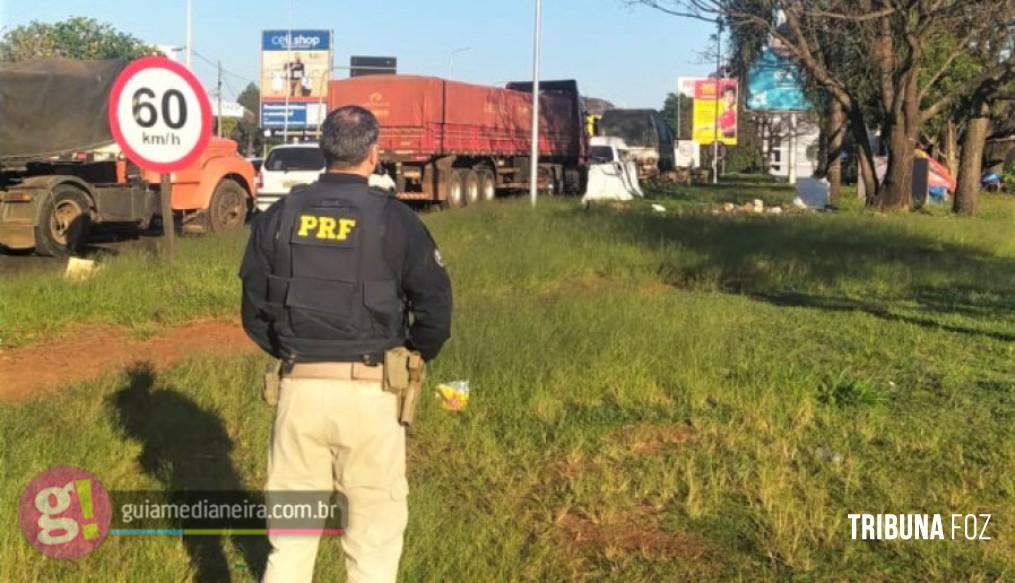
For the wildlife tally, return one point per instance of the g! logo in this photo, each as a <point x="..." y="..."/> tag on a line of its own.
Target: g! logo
<point x="64" y="512"/>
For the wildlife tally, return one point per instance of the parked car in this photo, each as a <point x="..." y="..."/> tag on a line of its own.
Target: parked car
<point x="287" y="166"/>
<point x="290" y="165"/>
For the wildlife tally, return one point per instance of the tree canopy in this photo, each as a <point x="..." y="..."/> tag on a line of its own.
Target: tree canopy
<point x="892" y="65"/>
<point x="75" y="38"/>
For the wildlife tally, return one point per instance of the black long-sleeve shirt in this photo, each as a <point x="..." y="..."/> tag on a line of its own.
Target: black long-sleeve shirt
<point x="411" y="254"/>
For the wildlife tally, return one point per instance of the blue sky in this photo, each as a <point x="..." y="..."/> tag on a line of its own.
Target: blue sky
<point x="629" y="55"/>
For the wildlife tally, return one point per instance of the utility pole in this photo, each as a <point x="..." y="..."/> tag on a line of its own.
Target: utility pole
<point x="679" y="94"/>
<point x="218" y="123"/>
<point x="534" y="153"/>
<point x="718" y="90"/>
<point x="288" y="74"/>
<point x="190" y="31"/>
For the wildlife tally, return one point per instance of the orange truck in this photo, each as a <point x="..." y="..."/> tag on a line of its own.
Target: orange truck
<point x="60" y="174"/>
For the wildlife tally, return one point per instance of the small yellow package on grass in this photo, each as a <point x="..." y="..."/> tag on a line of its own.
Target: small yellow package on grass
<point x="454" y="395"/>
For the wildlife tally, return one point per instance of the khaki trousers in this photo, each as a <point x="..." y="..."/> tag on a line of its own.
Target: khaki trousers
<point x="341" y="434"/>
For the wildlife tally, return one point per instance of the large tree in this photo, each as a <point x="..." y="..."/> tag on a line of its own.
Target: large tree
<point x="883" y="41"/>
<point x="686" y="109"/>
<point x="994" y="54"/>
<point x="74" y="38"/>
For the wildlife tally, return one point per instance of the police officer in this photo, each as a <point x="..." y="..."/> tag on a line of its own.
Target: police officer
<point x="330" y="274"/>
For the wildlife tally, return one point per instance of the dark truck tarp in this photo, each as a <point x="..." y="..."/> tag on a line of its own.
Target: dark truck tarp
<point x="55" y="106"/>
<point x="639" y="128"/>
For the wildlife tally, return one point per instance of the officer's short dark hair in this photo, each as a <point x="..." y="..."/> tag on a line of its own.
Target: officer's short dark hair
<point x="347" y="135"/>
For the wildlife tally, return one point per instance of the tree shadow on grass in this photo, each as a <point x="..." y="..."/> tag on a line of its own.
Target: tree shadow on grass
<point x="810" y="261"/>
<point x="186" y="448"/>
<point x="837" y="304"/>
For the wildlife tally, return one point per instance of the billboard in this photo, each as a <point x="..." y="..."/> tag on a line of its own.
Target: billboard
<point x="685" y="85"/>
<point x="688" y="154"/>
<point x="300" y="114"/>
<point x="773" y="84"/>
<point x="359" y="66"/>
<point x="295" y="69"/>
<point x="715" y="100"/>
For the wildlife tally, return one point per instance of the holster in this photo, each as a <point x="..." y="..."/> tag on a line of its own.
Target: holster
<point x="272" y="382"/>
<point x="404" y="374"/>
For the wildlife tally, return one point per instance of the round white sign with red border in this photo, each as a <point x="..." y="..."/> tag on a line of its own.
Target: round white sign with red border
<point x="159" y="114"/>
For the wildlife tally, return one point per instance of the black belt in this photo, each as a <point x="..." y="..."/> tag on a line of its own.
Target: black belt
<point x="373" y="359"/>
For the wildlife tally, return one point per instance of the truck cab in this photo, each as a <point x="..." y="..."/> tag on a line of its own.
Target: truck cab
<point x="51" y="204"/>
<point x="56" y="185"/>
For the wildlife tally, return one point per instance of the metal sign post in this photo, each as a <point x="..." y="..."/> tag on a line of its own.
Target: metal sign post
<point x="534" y="152"/>
<point x="718" y="77"/>
<point x="168" y="225"/>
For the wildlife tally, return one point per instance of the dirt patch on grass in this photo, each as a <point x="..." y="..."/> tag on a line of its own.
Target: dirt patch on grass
<point x="635" y="530"/>
<point x="90" y="352"/>
<point x="652" y="439"/>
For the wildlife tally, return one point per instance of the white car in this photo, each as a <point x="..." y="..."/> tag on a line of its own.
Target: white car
<point x="290" y="165"/>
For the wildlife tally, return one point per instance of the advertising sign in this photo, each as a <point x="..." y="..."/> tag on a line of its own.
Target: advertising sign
<point x="301" y="114"/>
<point x="295" y="69"/>
<point x="688" y="154"/>
<point x="773" y="84"/>
<point x="685" y="85"/>
<point x="359" y="66"/>
<point x="708" y="96"/>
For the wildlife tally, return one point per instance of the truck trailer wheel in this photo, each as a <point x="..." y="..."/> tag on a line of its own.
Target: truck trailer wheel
<point x="470" y="183"/>
<point x="456" y="189"/>
<point x="228" y="207"/>
<point x="487" y="185"/>
<point x="64" y="222"/>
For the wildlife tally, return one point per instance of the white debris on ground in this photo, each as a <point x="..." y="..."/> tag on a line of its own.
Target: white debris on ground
<point x="812" y="193"/>
<point x="758" y="207"/>
<point x="80" y="269"/>
<point x="612" y="181"/>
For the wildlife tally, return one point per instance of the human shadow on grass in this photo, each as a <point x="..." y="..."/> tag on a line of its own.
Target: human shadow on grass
<point x="187" y="448"/>
<point x="780" y="259"/>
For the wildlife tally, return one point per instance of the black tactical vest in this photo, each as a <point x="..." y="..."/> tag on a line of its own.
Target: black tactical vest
<point x="332" y="296"/>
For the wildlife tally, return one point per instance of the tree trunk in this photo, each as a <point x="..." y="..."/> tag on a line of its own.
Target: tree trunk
<point x="897" y="189"/>
<point x="864" y="154"/>
<point x="974" y="140"/>
<point x="833" y="161"/>
<point x="903" y="128"/>
<point x="950" y="147"/>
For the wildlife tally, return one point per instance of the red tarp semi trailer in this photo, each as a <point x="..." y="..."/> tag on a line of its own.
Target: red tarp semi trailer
<point x="456" y="142"/>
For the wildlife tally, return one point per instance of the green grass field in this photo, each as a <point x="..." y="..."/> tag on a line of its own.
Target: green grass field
<point x="656" y="397"/>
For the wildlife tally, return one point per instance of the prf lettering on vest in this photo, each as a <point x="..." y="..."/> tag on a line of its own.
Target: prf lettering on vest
<point x="325" y="227"/>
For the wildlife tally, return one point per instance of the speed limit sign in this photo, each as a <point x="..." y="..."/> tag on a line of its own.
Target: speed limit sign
<point x="159" y="114"/>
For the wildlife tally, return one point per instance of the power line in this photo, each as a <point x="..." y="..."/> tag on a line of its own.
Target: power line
<point x="230" y="88"/>
<point x="215" y="64"/>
